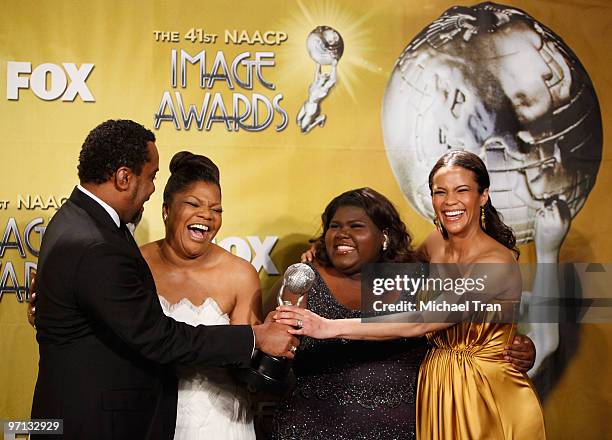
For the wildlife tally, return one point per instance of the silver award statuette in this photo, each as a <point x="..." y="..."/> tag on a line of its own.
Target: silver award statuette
<point x="325" y="46"/>
<point x="298" y="280"/>
<point x="270" y="373"/>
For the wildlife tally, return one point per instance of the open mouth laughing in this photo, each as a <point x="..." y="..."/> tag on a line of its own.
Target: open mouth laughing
<point x="344" y="248"/>
<point x="198" y="231"/>
<point x="454" y="215"/>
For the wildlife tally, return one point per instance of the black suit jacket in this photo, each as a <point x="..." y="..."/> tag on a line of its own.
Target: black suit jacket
<point x="106" y="347"/>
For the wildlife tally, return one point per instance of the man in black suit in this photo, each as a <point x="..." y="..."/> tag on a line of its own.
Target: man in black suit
<point x="106" y="347"/>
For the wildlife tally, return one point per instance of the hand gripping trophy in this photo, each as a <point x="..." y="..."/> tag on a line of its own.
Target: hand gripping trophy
<point x="267" y="372"/>
<point x="325" y="46"/>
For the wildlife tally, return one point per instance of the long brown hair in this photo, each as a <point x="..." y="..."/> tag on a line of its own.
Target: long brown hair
<point x="494" y="226"/>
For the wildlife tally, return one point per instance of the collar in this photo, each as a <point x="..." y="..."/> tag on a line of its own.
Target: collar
<point x="113" y="214"/>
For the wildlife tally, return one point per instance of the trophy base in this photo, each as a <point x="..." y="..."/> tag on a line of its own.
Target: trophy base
<point x="266" y="373"/>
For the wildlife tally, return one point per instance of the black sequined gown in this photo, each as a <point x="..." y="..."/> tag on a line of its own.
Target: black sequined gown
<point x="350" y="389"/>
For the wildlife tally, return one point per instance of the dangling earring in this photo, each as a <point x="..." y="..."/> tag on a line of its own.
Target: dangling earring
<point x="164" y="217"/>
<point x="385" y="242"/>
<point x="482" y="218"/>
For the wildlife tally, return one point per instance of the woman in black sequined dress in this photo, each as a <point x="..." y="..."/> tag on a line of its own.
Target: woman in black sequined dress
<point x="353" y="389"/>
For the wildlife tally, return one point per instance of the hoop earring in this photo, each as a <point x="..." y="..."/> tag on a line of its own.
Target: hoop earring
<point x="385" y="244"/>
<point x="482" y="218"/>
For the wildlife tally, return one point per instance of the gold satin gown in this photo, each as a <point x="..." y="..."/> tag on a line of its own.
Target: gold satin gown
<point x="467" y="392"/>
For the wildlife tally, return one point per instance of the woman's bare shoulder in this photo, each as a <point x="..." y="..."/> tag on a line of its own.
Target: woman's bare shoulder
<point x="495" y="252"/>
<point x="434" y="244"/>
<point x="150" y="251"/>
<point x="239" y="267"/>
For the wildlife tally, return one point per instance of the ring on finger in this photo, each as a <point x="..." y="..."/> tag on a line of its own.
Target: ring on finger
<point x="293" y="349"/>
<point x="299" y="323"/>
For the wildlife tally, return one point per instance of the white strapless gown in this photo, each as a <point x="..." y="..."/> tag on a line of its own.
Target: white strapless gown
<point x="210" y="404"/>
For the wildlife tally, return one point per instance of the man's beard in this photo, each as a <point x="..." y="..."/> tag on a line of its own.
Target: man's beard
<point x="137" y="217"/>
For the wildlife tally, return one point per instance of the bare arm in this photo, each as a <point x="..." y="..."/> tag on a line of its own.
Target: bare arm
<point x="318" y="327"/>
<point x="355" y="329"/>
<point x="248" y="307"/>
<point x="503" y="281"/>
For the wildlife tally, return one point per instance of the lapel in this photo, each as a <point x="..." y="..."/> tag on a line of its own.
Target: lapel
<point x="97" y="212"/>
<point x="105" y="222"/>
<point x="127" y="234"/>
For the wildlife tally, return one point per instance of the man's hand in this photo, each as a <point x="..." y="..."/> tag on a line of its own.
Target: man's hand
<point x="521" y="353"/>
<point x="32" y="302"/>
<point x="274" y="339"/>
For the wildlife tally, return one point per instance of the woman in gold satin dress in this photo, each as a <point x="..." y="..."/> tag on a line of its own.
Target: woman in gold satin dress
<point x="466" y="390"/>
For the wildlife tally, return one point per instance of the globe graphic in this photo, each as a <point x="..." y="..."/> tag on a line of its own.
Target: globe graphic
<point x="492" y="80"/>
<point x="325" y="45"/>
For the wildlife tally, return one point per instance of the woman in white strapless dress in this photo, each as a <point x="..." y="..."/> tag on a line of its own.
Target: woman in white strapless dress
<point x="210" y="403"/>
<point x="201" y="283"/>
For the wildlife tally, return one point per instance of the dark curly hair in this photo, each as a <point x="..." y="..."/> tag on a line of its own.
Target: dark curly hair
<point x="187" y="168"/>
<point x="112" y="145"/>
<point x="382" y="213"/>
<point x="494" y="226"/>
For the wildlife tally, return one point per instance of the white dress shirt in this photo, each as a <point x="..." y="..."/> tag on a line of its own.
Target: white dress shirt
<point x="103" y="204"/>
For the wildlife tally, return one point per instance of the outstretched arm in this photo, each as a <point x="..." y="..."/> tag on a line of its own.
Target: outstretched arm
<point x="503" y="283"/>
<point x="521" y="353"/>
<point x="111" y="292"/>
<point x="318" y="327"/>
